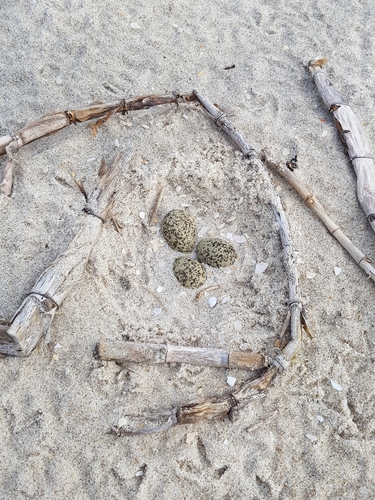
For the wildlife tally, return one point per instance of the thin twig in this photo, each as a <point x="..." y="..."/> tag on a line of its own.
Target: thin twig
<point x="313" y="203"/>
<point x="208" y="289"/>
<point x="153" y="217"/>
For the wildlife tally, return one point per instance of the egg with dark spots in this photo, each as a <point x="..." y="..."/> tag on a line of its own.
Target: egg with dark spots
<point x="180" y="231"/>
<point x="189" y="272"/>
<point x="216" y="252"/>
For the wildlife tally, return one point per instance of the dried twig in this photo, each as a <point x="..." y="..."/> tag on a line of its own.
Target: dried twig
<point x="313" y="203"/>
<point x="110" y="350"/>
<point x="208" y="289"/>
<point x="33" y="319"/>
<point x="353" y="137"/>
<point x="153" y="217"/>
<point x="53" y="122"/>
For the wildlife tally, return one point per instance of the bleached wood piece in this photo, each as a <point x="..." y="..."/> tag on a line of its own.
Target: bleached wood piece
<point x="134" y="352"/>
<point x="353" y="137"/>
<point x="33" y="319"/>
<point x="53" y="122"/>
<point x="313" y="203"/>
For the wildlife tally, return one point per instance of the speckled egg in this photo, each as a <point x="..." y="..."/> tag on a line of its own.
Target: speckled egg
<point x="216" y="252"/>
<point x="189" y="272"/>
<point x="180" y="231"/>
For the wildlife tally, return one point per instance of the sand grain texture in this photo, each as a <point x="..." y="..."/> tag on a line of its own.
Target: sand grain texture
<point x="57" y="406"/>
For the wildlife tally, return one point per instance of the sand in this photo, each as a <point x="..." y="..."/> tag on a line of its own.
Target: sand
<point x="304" y="438"/>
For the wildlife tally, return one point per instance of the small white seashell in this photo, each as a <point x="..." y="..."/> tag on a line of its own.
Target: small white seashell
<point x="310" y="276"/>
<point x="135" y="26"/>
<point x="145" y="126"/>
<point x="320" y="418"/>
<point x="117" y="144"/>
<point x="325" y="132"/>
<point x="230" y="236"/>
<point x="226" y="299"/>
<point x="286" y="152"/>
<point x="337" y="270"/>
<point x="158" y="311"/>
<point x="89" y="160"/>
<point x="221" y="226"/>
<point x="156" y="244"/>
<point x="160" y="289"/>
<point x="203" y="231"/>
<point x="122" y="421"/>
<point x="237" y="325"/>
<point x="231" y="381"/>
<point x="248" y="97"/>
<point x="140" y="473"/>
<point x="142" y="215"/>
<point x="58" y="346"/>
<point x="184" y="116"/>
<point x="190" y="437"/>
<point x="185" y="205"/>
<point x="138" y="272"/>
<point x="239" y="239"/>
<point x="58" y="80"/>
<point x="261" y="267"/>
<point x="311" y="437"/>
<point x="212" y="301"/>
<point x="178" y="189"/>
<point x="336" y="385"/>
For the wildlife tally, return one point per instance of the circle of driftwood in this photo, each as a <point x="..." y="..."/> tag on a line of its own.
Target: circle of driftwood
<point x="33" y="319"/>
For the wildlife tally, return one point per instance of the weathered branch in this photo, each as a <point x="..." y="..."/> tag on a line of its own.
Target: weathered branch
<point x="111" y="350"/>
<point x="53" y="122"/>
<point x="33" y="319"/>
<point x="313" y="203"/>
<point x="352" y="136"/>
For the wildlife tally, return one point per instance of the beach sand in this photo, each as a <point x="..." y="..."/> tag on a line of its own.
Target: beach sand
<point x="304" y="439"/>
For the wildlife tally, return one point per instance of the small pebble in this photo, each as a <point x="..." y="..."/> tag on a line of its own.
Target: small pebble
<point x="55" y="357"/>
<point x="336" y="385"/>
<point x="58" y="80"/>
<point x="320" y="418"/>
<point x="158" y="311"/>
<point x="312" y="438"/>
<point x="337" y="270"/>
<point x="190" y="437"/>
<point x="261" y="267"/>
<point x="226" y="299"/>
<point x="237" y="325"/>
<point x="121" y="422"/>
<point x="212" y="301"/>
<point x="231" y="381"/>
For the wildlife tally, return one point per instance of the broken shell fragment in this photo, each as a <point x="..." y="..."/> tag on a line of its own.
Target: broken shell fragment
<point x="216" y="252"/>
<point x="180" y="231"/>
<point x="189" y="272"/>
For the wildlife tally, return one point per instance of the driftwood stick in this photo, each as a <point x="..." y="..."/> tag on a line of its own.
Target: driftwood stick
<point x="352" y="136"/>
<point x="313" y="203"/>
<point x="290" y="258"/>
<point x="53" y="122"/>
<point x="159" y="353"/>
<point x="33" y="319"/>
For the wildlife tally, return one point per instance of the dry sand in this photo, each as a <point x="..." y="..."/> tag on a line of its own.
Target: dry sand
<point x="58" y="405"/>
